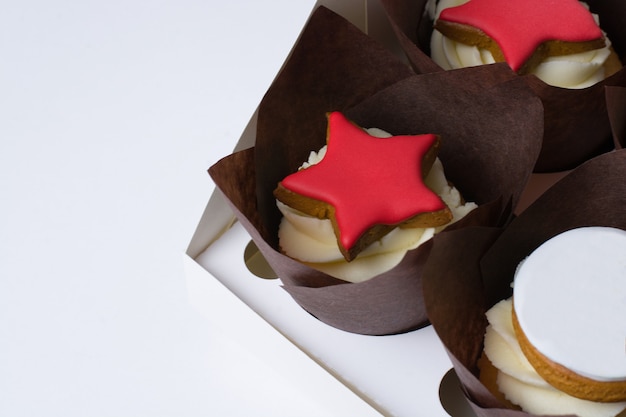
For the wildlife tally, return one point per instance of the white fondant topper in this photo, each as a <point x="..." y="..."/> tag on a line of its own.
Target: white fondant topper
<point x="570" y="301"/>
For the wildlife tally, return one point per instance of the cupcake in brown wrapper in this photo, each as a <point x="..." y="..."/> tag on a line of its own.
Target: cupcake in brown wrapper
<point x="458" y="294"/>
<point x="576" y="120"/>
<point x="489" y="144"/>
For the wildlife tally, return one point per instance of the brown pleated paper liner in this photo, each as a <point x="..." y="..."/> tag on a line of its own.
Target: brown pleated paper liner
<point x="332" y="67"/>
<point x="616" y="105"/>
<point x="490" y="143"/>
<point x="471" y="269"/>
<point x="576" y="121"/>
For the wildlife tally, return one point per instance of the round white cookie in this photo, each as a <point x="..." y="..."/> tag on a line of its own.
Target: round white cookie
<point x="570" y="301"/>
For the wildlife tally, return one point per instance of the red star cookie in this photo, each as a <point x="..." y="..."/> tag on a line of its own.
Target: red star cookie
<point x="522" y="32"/>
<point x="367" y="186"/>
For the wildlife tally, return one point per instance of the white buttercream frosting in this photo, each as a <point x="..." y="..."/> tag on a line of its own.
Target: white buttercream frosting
<point x="312" y="241"/>
<point x="568" y="71"/>
<point x="520" y="383"/>
<point x="570" y="301"/>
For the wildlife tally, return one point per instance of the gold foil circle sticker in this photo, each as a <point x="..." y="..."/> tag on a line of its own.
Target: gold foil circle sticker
<point x="256" y="263"/>
<point x="452" y="398"/>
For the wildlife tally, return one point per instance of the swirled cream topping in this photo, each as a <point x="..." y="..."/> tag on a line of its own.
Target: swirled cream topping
<point x="573" y="71"/>
<point x="518" y="380"/>
<point x="312" y="241"/>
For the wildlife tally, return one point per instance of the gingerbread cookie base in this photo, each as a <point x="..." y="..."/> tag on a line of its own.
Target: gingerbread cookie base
<point x="566" y="380"/>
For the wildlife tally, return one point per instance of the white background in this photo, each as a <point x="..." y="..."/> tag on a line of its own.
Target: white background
<point x="110" y="114"/>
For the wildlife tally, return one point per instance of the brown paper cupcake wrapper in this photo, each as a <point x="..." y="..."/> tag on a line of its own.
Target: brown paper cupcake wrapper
<point x="616" y="105"/>
<point x="576" y="121"/>
<point x="489" y="145"/>
<point x="470" y="270"/>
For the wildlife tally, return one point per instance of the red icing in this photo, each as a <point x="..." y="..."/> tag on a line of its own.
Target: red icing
<point x="520" y="26"/>
<point x="368" y="180"/>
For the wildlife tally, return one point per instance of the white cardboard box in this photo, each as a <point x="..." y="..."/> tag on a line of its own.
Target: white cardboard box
<point x="399" y="375"/>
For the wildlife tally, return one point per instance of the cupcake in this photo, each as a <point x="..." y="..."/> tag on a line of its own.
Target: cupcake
<point x="576" y="121"/>
<point x="486" y="148"/>
<point x="569" y="50"/>
<point x="503" y="339"/>
<point x="358" y="205"/>
<point x="545" y="354"/>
